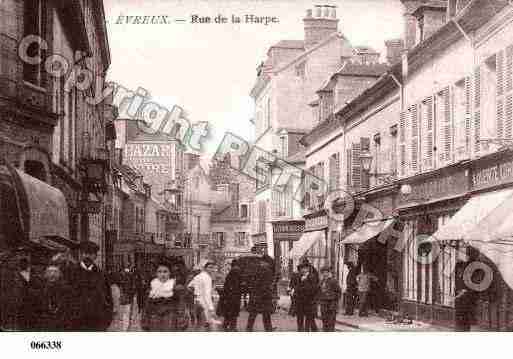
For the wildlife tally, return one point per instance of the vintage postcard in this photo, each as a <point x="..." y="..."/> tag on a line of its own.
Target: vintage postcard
<point x="255" y="166"/>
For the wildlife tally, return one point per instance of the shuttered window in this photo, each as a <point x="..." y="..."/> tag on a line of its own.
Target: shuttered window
<point x="427" y="128"/>
<point x="477" y="109"/>
<point x="414" y="127"/>
<point x="504" y="101"/>
<point x="444" y="122"/>
<point x="364" y="175"/>
<point x="334" y="171"/>
<point x="356" y="168"/>
<point x="402" y="144"/>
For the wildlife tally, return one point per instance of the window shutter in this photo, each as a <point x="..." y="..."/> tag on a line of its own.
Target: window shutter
<point x="348" y="169"/>
<point x="402" y="144"/>
<point x="427" y="121"/>
<point x="365" y="146"/>
<point x="414" y="151"/>
<point x="445" y="121"/>
<point x="468" y="112"/>
<point x="499" y="114"/>
<point x="356" y="168"/>
<point x="508" y="92"/>
<point x="477" y="110"/>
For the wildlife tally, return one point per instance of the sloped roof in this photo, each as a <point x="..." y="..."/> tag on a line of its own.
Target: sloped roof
<point x="355" y="69"/>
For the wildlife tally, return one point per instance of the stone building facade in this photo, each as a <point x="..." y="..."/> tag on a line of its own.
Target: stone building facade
<point x="45" y="131"/>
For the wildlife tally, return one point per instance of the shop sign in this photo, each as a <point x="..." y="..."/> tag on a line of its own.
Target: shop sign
<point x="437" y="187"/>
<point x="493" y="175"/>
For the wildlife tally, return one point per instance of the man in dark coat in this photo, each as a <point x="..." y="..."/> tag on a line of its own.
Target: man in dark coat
<point x="261" y="296"/>
<point x="329" y="295"/>
<point x="17" y="293"/>
<point x="314" y="275"/>
<point x="351" y="288"/>
<point x="230" y="299"/>
<point x="305" y="295"/>
<point x="92" y="294"/>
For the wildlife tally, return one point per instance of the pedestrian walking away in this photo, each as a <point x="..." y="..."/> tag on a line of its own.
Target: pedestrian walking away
<point x="261" y="296"/>
<point x="329" y="296"/>
<point x="229" y="302"/>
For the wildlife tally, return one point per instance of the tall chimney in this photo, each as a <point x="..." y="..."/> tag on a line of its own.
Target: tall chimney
<point x="410" y="22"/>
<point x="395" y="48"/>
<point x="322" y="24"/>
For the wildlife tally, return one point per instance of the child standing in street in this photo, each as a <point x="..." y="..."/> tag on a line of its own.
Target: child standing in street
<point x="329" y="296"/>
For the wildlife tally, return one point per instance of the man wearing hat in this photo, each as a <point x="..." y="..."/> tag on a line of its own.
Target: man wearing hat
<point x="17" y="292"/>
<point x="329" y="295"/>
<point x="92" y="294"/>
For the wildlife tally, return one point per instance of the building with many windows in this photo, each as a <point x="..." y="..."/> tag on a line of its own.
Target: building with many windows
<point x="427" y="151"/>
<point x="285" y="86"/>
<point x="57" y="138"/>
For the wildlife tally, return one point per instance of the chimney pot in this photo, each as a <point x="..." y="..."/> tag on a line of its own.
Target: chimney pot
<point x="334" y="12"/>
<point x="318" y="11"/>
<point x="309" y="13"/>
<point x="327" y="11"/>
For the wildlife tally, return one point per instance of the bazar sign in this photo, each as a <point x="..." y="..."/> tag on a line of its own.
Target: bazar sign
<point x="493" y="175"/>
<point x="149" y="157"/>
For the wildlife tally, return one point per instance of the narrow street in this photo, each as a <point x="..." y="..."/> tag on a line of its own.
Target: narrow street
<point x="282" y="322"/>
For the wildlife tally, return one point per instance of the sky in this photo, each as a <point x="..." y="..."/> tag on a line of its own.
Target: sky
<point x="209" y="68"/>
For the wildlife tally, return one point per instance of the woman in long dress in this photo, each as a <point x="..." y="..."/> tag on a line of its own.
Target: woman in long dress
<point x="161" y="304"/>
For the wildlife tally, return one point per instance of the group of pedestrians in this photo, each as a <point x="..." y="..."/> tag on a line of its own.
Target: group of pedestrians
<point x="69" y="297"/>
<point x="309" y="293"/>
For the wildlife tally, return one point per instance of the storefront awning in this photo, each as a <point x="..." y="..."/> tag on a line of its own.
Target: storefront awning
<point x="48" y="210"/>
<point x="467" y="224"/>
<point x="367" y="231"/>
<point x="306" y="242"/>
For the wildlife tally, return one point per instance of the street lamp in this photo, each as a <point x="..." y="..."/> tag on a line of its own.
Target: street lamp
<point x="366" y="161"/>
